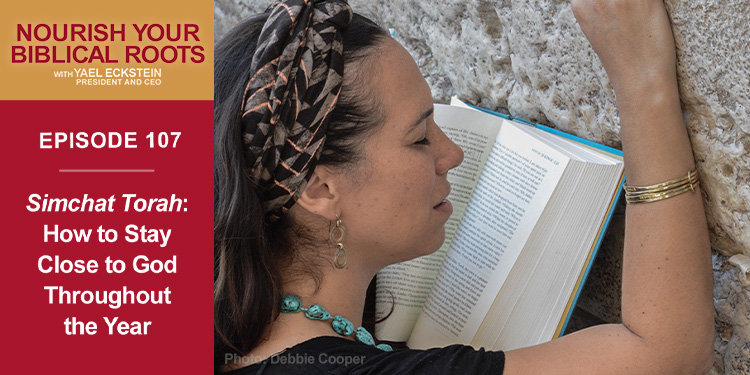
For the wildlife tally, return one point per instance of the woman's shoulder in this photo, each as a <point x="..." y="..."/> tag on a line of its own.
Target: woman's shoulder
<point x="337" y="355"/>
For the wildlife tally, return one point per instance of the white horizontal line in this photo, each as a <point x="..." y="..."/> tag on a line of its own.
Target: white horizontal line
<point x="104" y="170"/>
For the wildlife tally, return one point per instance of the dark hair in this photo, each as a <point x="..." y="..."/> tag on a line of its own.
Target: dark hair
<point x="248" y="250"/>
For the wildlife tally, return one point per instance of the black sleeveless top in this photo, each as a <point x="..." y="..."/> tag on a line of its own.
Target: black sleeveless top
<point x="337" y="355"/>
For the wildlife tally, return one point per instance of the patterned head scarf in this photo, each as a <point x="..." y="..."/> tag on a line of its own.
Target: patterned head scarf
<point x="297" y="71"/>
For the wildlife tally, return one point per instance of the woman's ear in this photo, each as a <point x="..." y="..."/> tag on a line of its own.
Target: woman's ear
<point x="321" y="196"/>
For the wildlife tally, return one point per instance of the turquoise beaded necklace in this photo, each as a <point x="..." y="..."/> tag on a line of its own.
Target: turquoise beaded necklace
<point x="342" y="326"/>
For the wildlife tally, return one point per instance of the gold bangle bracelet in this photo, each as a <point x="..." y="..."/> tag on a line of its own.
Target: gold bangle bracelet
<point x="659" y="196"/>
<point x="663" y="186"/>
<point x="664" y="190"/>
<point x="692" y="177"/>
<point x="689" y="183"/>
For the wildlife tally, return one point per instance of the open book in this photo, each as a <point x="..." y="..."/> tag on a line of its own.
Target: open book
<point x="530" y="208"/>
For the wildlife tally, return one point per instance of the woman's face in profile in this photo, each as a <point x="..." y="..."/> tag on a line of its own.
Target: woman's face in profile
<point x="397" y="209"/>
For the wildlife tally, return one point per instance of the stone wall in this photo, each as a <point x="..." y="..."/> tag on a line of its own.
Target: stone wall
<point x="530" y="58"/>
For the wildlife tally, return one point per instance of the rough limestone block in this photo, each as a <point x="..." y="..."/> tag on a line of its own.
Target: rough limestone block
<point x="732" y="306"/>
<point x="713" y="39"/>
<point x="228" y="12"/>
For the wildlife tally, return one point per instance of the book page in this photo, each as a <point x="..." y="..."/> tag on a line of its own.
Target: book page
<point x="518" y="180"/>
<point x="408" y="283"/>
<point x="532" y="300"/>
<point x="528" y="309"/>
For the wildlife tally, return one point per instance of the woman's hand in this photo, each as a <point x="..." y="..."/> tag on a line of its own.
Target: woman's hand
<point x="633" y="39"/>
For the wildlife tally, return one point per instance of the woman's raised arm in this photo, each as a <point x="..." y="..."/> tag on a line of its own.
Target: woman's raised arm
<point x="667" y="309"/>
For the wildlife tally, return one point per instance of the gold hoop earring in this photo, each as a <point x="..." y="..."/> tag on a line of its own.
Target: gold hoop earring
<point x="337" y="236"/>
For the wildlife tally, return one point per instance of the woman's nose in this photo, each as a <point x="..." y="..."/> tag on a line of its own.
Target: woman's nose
<point x="449" y="155"/>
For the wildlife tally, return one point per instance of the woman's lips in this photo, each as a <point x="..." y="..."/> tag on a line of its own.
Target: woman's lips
<point x="444" y="206"/>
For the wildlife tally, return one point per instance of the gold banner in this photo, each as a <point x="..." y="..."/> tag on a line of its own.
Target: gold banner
<point x="100" y="50"/>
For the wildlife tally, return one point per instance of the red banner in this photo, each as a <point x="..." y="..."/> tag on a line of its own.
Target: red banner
<point x="107" y="195"/>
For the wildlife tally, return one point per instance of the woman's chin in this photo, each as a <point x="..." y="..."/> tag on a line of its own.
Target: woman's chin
<point x="430" y="246"/>
<point x="439" y="240"/>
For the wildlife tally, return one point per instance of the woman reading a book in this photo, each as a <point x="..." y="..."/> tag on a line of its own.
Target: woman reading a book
<point x="329" y="166"/>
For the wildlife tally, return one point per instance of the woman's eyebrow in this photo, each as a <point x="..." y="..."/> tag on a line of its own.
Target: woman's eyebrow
<point x="421" y="118"/>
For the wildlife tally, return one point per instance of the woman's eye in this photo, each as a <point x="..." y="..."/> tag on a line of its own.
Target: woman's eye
<point x="423" y="141"/>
